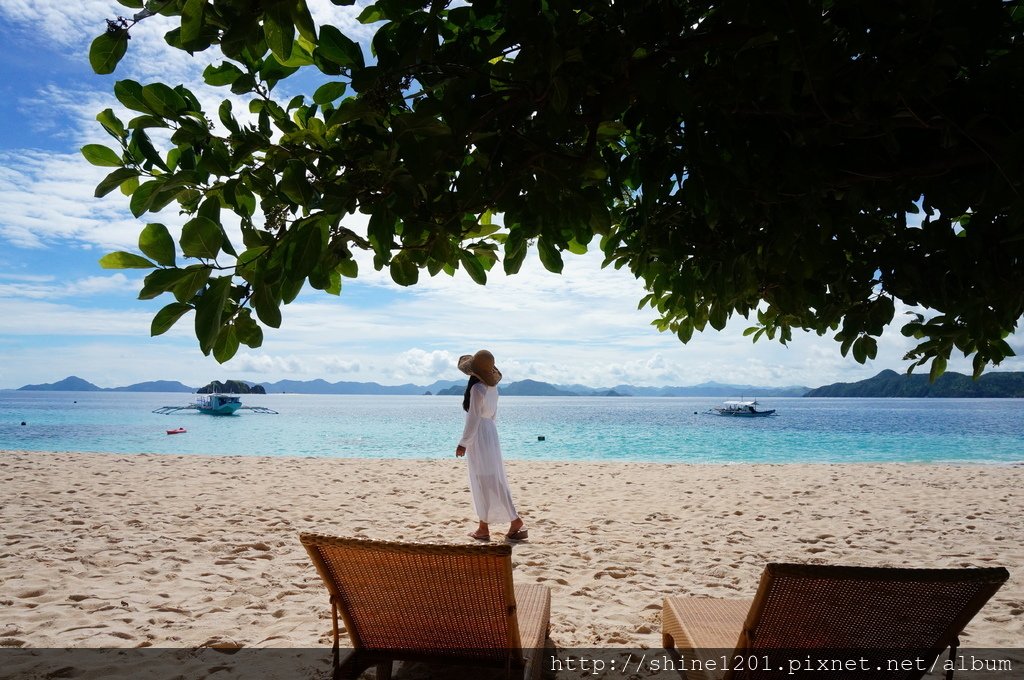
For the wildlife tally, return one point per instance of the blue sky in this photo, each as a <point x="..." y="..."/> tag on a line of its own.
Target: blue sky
<point x="61" y="314"/>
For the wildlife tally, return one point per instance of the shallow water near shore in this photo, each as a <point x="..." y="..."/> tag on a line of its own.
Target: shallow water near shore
<point x="627" y="429"/>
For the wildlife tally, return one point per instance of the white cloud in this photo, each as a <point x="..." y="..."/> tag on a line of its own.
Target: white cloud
<point x="333" y="366"/>
<point x="69" y="24"/>
<point x="47" y="199"/>
<point x="33" y="317"/>
<point x="27" y="278"/>
<point x="262" y="364"/>
<point x="46" y="288"/>
<point x="417" y="364"/>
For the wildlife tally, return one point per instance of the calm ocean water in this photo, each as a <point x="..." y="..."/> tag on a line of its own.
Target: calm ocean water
<point x="573" y="428"/>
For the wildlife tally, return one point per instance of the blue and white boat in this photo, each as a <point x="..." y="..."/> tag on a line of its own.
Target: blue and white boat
<point x="219" y="404"/>
<point x="215" y="405"/>
<point x="741" y="409"/>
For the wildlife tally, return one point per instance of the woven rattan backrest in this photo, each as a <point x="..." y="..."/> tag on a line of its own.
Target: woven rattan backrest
<point x="435" y="598"/>
<point x="835" y="607"/>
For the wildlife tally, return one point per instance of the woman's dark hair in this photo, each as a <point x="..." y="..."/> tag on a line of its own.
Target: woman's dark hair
<point x="465" y="398"/>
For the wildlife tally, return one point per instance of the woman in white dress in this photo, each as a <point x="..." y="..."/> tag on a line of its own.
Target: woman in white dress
<point x="492" y="497"/>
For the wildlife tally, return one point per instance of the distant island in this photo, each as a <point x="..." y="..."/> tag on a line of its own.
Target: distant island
<point x="75" y="384"/>
<point x="231" y="387"/>
<point x="892" y="384"/>
<point x="522" y="388"/>
<point x="888" y="383"/>
<point x="533" y="388"/>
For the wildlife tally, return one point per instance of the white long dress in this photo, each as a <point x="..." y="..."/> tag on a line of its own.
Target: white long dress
<point x="492" y="497"/>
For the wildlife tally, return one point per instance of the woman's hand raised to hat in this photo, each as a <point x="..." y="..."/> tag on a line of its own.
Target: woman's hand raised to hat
<point x="460" y="451"/>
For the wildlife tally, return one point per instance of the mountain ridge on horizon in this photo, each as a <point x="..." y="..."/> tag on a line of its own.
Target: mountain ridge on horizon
<point x="526" y="387"/>
<point x="887" y="383"/>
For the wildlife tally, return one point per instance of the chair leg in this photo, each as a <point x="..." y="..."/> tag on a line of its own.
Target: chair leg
<point x="356" y="663"/>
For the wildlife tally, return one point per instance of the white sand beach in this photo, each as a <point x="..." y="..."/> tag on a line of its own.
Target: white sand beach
<point x="105" y="550"/>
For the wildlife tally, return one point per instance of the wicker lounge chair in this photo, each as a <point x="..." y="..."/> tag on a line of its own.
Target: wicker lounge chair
<point x="430" y="603"/>
<point x="802" y="609"/>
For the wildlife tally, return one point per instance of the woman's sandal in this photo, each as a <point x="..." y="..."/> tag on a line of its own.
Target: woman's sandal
<point x="517" y="535"/>
<point x="480" y="537"/>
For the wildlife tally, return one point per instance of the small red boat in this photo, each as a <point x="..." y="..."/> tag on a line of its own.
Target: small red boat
<point x="177" y="430"/>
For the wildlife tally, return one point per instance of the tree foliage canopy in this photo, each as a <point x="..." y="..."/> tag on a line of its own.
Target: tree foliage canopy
<point x="739" y="158"/>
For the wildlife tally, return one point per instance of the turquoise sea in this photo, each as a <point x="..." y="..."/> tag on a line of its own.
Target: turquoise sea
<point x="634" y="429"/>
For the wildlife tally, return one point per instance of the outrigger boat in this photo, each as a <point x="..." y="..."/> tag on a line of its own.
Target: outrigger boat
<point x="215" y="405"/>
<point x="741" y="409"/>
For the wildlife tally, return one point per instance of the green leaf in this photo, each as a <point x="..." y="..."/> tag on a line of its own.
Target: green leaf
<point x="550" y="257"/>
<point x="474" y="267"/>
<point x="210" y="209"/>
<point x="106" y="51"/>
<point x="294" y="184"/>
<point x="242" y="200"/>
<point x="267" y="306"/>
<point x="859" y="351"/>
<point x="226" y="117"/>
<point x="938" y="368"/>
<point x="332" y="285"/>
<point x="140" y="143"/>
<point x="129" y="93"/>
<point x="279" y="30"/>
<point x="515" y="252"/>
<point x="303" y="20"/>
<point x="404" y="271"/>
<point x="273" y="70"/>
<point x="348" y="268"/>
<point x="307" y="245"/>
<point x="162" y="281"/>
<point x="370" y="15"/>
<point x="191" y="282"/>
<point x="97" y="154"/>
<point x="251" y="256"/>
<point x="142" y="198"/>
<point x="114" y="180"/>
<point x="290" y="288"/>
<point x="128" y="186"/>
<point x="225" y="74"/>
<point x="247" y="330"/>
<point x="112" y="124"/>
<point x="163" y="100"/>
<point x="201" y="237"/>
<point x="226" y="345"/>
<point x="338" y="48"/>
<point x="123" y="260"/>
<point x="718" y="316"/>
<point x="381" y="230"/>
<point x="210" y="312"/>
<point x="192" y="23"/>
<point x="610" y="130"/>
<point x="328" y="92"/>
<point x="244" y="84"/>
<point x="577" y="248"/>
<point x="167" y="317"/>
<point x="685" y="330"/>
<point x="847" y="342"/>
<point x="156" y="242"/>
<point x="870" y="347"/>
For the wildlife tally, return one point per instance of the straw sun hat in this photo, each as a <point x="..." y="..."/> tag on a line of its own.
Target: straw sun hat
<point x="482" y="366"/>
